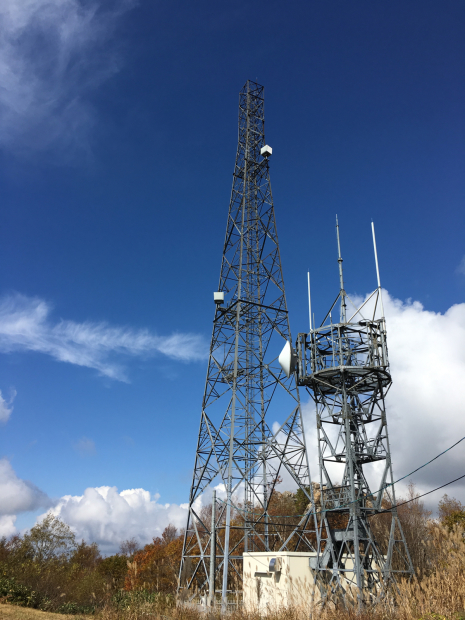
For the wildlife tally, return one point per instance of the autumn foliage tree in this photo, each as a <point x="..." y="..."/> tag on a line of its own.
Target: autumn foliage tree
<point x="451" y="513"/>
<point x="156" y="566"/>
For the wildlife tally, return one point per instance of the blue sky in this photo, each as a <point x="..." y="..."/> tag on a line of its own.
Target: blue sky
<point x="118" y="130"/>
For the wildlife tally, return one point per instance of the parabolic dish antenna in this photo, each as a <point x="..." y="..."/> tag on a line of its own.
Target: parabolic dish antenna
<point x="287" y="359"/>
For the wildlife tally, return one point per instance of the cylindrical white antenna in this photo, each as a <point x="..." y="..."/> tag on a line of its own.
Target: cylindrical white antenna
<point x="309" y="302"/>
<point x="377" y="269"/>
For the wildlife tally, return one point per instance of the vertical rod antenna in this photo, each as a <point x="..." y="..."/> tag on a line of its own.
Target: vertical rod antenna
<point x="341" y="279"/>
<point x="309" y="301"/>
<point x="377" y="269"/>
<point x="212" y="552"/>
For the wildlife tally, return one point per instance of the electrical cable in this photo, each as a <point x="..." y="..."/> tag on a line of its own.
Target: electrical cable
<point x="310" y="514"/>
<point x="421" y="467"/>
<point x="368" y="516"/>
<point x="419" y="496"/>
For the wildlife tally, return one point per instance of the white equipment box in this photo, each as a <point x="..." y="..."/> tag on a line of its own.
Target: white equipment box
<point x="276" y="580"/>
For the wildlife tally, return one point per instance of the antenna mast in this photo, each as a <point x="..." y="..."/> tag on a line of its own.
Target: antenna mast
<point x="246" y="390"/>
<point x="309" y="302"/>
<point x="377" y="269"/>
<point x="341" y="278"/>
<point x="345" y="368"/>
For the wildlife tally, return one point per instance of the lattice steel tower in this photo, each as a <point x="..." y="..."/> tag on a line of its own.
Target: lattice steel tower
<point x="344" y="364"/>
<point x="246" y="391"/>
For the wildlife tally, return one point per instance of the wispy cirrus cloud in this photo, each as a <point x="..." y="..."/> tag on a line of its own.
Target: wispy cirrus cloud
<point x="53" y="54"/>
<point x="461" y="267"/>
<point x="26" y="325"/>
<point x="85" y="446"/>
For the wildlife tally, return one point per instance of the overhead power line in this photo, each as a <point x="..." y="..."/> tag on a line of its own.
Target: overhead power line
<point x="377" y="513"/>
<point x="381" y="489"/>
<point x="430" y="461"/>
<point x="422" y="495"/>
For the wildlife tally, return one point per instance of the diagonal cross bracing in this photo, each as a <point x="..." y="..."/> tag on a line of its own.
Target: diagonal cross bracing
<point x="246" y="391"/>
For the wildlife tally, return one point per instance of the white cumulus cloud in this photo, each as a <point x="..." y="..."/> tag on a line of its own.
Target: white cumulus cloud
<point x="17" y="495"/>
<point x="53" y="54"/>
<point x="7" y="526"/>
<point x="25" y="325"/>
<point x="425" y="408"/>
<point x="102" y="514"/>
<point x="107" y="517"/>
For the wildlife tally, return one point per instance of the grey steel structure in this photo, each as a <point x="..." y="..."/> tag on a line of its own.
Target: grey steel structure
<point x="345" y="366"/>
<point x="246" y="391"/>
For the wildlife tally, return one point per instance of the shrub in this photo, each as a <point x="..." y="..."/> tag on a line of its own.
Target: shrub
<point x="18" y="594"/>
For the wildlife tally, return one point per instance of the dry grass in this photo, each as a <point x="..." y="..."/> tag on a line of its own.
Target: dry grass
<point x="443" y="591"/>
<point x="439" y="595"/>
<point x="13" y="612"/>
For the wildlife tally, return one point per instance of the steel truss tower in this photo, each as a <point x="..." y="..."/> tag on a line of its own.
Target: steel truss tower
<point x="345" y="367"/>
<point x="246" y="391"/>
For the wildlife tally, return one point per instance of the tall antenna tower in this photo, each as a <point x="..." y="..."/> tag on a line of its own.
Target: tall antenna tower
<point x="345" y="366"/>
<point x="246" y="391"/>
